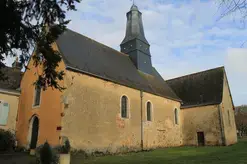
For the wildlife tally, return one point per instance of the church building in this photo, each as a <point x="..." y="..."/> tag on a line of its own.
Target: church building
<point x="117" y="101"/>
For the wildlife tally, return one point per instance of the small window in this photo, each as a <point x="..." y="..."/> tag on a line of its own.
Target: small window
<point x="149" y="111"/>
<point x="124" y="107"/>
<point x="37" y="96"/>
<point x="176" y="116"/>
<point x="4" y="113"/>
<point x="229" y="119"/>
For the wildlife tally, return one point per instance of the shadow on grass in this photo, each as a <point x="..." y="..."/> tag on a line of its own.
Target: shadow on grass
<point x="192" y="155"/>
<point x="17" y="158"/>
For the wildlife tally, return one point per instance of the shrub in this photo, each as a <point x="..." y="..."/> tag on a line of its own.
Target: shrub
<point x="81" y="153"/>
<point x="66" y="147"/>
<point x="46" y="155"/>
<point x="7" y="140"/>
<point x="98" y="153"/>
<point x="20" y="149"/>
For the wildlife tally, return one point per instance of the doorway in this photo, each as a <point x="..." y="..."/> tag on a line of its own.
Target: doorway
<point x="34" y="133"/>
<point x="200" y="138"/>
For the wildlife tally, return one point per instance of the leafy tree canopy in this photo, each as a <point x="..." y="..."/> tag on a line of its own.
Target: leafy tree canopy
<point x="34" y="23"/>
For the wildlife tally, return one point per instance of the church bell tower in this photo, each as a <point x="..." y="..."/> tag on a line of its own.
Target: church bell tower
<point x="135" y="43"/>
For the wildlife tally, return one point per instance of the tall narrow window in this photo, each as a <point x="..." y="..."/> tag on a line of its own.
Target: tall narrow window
<point x="229" y="120"/>
<point x="124" y="107"/>
<point x="37" y="96"/>
<point x="149" y="111"/>
<point x="176" y="116"/>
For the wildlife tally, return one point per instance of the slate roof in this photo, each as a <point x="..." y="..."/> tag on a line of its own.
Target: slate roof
<point x="134" y="27"/>
<point x="87" y="56"/>
<point x="14" y="78"/>
<point x="201" y="88"/>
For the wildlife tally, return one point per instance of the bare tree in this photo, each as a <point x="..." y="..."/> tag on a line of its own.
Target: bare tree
<point x="237" y="8"/>
<point x="241" y="120"/>
<point x="233" y="6"/>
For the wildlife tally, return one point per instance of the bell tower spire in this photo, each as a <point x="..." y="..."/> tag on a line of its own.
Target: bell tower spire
<point x="135" y="43"/>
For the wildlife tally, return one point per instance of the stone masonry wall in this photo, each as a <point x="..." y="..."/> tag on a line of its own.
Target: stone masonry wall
<point x="228" y="121"/>
<point x="48" y="112"/>
<point x="201" y="119"/>
<point x="92" y="119"/>
<point x="162" y="130"/>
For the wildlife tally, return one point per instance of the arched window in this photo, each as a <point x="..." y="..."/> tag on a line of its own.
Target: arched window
<point x="124" y="107"/>
<point x="149" y="111"/>
<point x="176" y="116"/>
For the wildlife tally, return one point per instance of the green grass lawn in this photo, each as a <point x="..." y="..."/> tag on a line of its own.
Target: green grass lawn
<point x="184" y="155"/>
<point x="192" y="155"/>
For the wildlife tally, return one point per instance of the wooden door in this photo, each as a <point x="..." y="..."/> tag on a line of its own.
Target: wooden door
<point x="35" y="132"/>
<point x="200" y="139"/>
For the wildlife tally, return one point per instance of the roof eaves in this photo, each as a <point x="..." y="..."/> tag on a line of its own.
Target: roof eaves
<point x="107" y="79"/>
<point x="10" y="91"/>
<point x="137" y="38"/>
<point x="200" y="105"/>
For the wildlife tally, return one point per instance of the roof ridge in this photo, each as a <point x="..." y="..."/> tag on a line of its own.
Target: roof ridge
<point x="197" y="73"/>
<point x="97" y="42"/>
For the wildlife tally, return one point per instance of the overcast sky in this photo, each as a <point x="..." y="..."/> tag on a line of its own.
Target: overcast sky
<point x="185" y="36"/>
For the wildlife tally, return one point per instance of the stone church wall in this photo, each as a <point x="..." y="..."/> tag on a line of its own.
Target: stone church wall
<point x="229" y="121"/>
<point x="162" y="130"/>
<point x="92" y="119"/>
<point x="48" y="112"/>
<point x="201" y="119"/>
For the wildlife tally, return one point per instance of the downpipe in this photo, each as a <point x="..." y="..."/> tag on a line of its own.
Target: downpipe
<point x="141" y="96"/>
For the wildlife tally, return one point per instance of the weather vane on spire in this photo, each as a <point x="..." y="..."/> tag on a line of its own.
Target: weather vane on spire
<point x="133" y="2"/>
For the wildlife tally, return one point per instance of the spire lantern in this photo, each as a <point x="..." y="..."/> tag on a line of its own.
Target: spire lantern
<point x="135" y="43"/>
